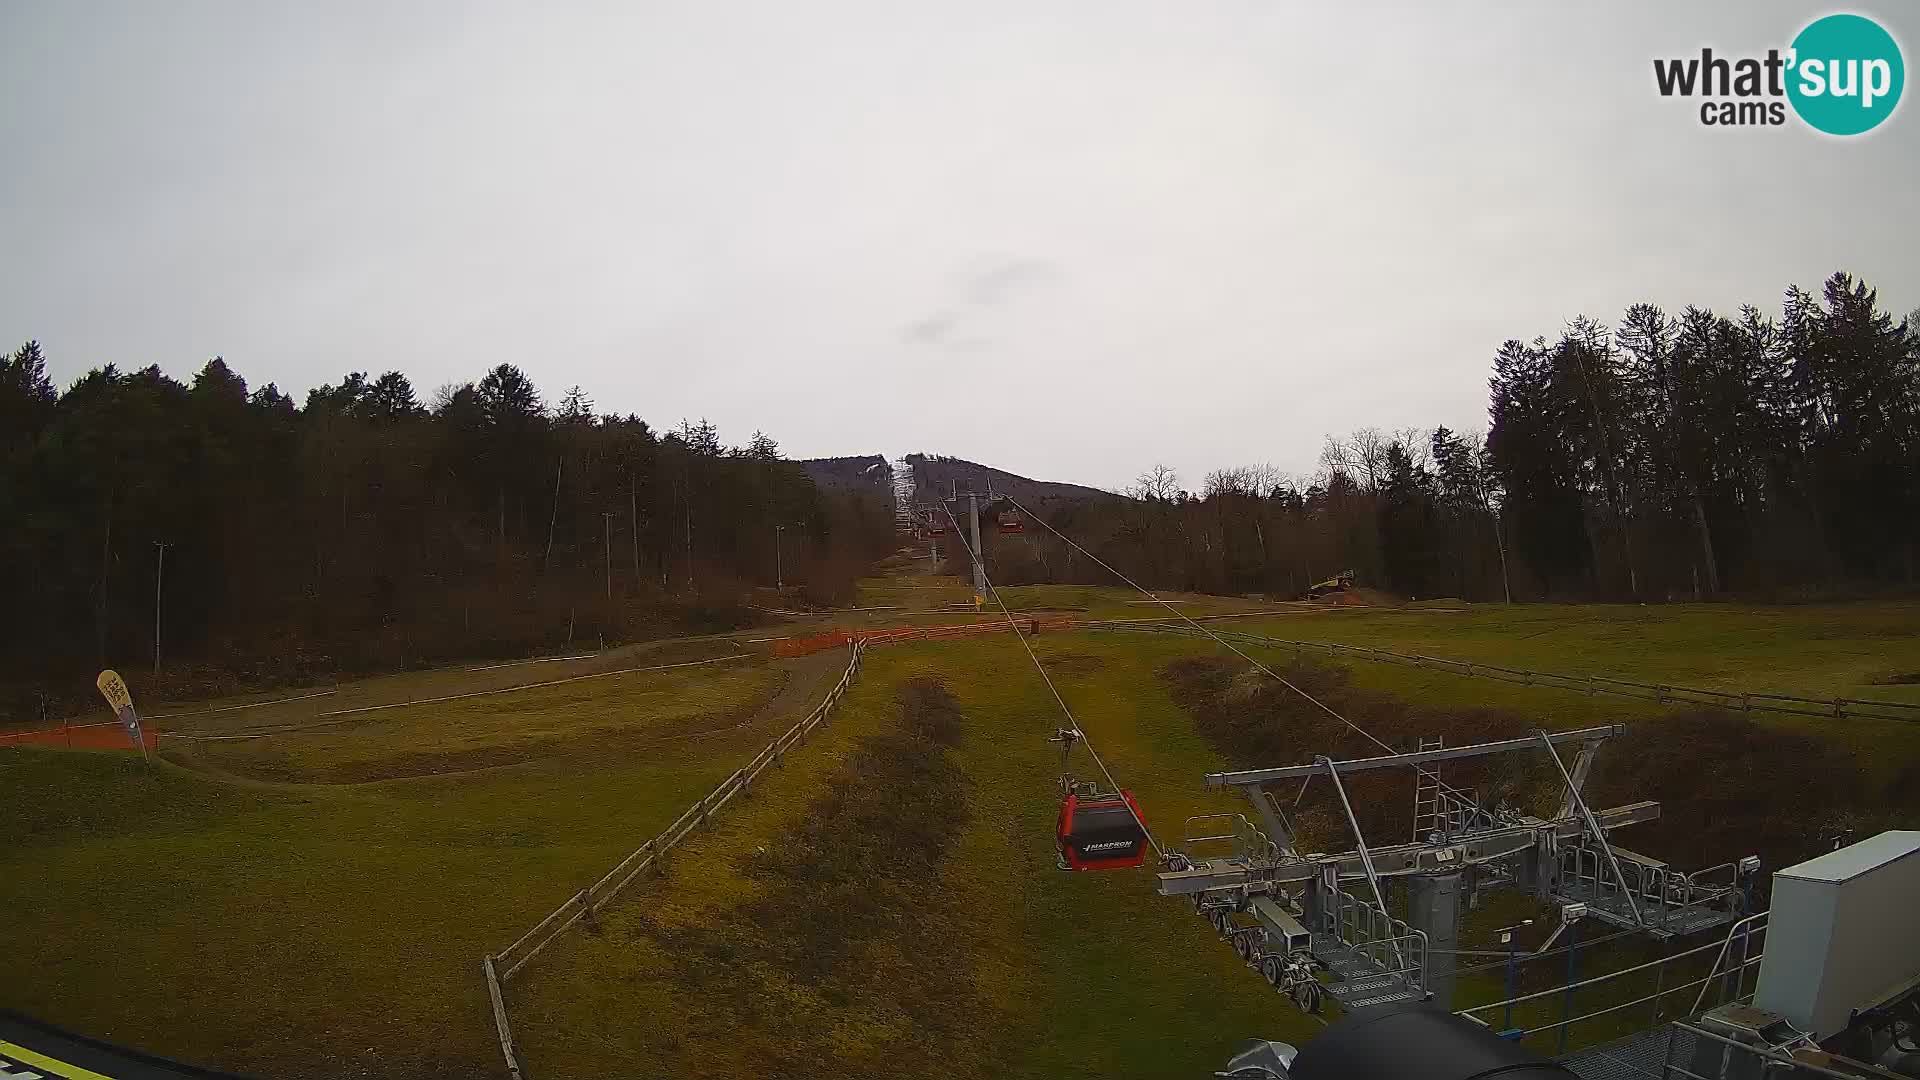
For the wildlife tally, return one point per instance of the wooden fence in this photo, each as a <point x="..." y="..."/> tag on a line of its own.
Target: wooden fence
<point x="581" y="906"/>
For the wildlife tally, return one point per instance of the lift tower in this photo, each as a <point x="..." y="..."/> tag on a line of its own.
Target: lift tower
<point x="973" y="527"/>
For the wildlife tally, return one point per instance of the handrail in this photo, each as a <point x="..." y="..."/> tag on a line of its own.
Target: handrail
<point x="1571" y="1020"/>
<point x="1595" y="980"/>
<point x="1725" y="944"/>
<point x="1360" y="843"/>
<point x="1771" y="1054"/>
<point x="1593" y="826"/>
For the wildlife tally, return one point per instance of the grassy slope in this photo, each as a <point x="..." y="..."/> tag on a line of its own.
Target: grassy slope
<point x="318" y="931"/>
<point x="630" y="712"/>
<point x="923" y="591"/>
<point x="306" y="705"/>
<point x="208" y="891"/>
<point x="1817" y="651"/>
<point x="1072" y="975"/>
<point x="1094" y="975"/>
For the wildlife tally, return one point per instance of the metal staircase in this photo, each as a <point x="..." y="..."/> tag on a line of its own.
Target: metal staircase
<point x="1373" y="958"/>
<point x="1346" y="948"/>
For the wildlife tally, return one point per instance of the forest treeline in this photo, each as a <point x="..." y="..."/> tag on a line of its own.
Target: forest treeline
<point x="1670" y="456"/>
<point x="364" y="529"/>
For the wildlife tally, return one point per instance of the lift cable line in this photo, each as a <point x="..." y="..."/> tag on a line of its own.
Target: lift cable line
<point x="1073" y="724"/>
<point x="1289" y="913"/>
<point x="1224" y="643"/>
<point x="1433" y="777"/>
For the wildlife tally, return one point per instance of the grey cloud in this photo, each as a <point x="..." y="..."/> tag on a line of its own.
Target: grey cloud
<point x="1214" y="230"/>
<point x="1008" y="279"/>
<point x="931" y="330"/>
<point x="1001" y="282"/>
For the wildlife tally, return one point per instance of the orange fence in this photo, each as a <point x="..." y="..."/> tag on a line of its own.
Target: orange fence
<point x="104" y="736"/>
<point x="838" y="639"/>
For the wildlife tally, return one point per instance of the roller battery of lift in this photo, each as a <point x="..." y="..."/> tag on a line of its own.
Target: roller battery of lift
<point x="1318" y="925"/>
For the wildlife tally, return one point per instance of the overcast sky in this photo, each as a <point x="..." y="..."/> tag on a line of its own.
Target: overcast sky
<point x="1066" y="239"/>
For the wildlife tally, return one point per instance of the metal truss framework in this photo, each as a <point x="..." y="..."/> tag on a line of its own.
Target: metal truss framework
<point x="1315" y="923"/>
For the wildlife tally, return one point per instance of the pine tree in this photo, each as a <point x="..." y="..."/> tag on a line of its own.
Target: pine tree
<point x="576" y="407"/>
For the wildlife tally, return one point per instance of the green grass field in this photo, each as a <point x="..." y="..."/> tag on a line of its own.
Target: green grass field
<point x="1066" y="975"/>
<point x="1818" y="651"/>
<point x="330" y="929"/>
<point x="624" y="713"/>
<point x="1093" y="975"/>
<point x="316" y="904"/>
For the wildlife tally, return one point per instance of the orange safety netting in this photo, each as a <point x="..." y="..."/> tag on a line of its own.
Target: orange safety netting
<point x="833" y="639"/>
<point x="81" y="737"/>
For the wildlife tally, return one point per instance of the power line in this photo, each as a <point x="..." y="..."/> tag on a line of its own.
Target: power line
<point x="1048" y="679"/>
<point x="1523" y="957"/>
<point x="1224" y="643"/>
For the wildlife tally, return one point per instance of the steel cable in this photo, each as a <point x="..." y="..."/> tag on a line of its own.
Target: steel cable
<point x="1048" y="679"/>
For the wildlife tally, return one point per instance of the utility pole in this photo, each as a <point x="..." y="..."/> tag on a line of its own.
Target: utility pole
<point x="779" y="575"/>
<point x="606" y="519"/>
<point x="554" y="517"/>
<point x="633" y="511"/>
<point x="687" y="509"/>
<point x="106" y="568"/>
<point x="979" y="567"/>
<point x="159" y="575"/>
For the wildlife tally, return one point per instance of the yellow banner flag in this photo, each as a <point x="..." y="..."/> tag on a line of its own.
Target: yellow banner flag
<point x="114" y="689"/>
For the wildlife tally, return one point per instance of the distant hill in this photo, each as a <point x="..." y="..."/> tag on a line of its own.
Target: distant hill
<point x="868" y="473"/>
<point x="935" y="475"/>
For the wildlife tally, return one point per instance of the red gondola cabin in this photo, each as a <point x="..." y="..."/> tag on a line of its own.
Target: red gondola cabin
<point x="1100" y="832"/>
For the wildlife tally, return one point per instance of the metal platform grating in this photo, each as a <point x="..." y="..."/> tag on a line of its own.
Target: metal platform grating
<point x="1644" y="1055"/>
<point x="1357" y="981"/>
<point x="1663" y="921"/>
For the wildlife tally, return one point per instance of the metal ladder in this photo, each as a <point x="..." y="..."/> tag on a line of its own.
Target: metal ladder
<point x="1428" y="814"/>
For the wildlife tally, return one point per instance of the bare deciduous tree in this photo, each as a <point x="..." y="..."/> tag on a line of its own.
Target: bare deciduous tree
<point x="1160" y="483"/>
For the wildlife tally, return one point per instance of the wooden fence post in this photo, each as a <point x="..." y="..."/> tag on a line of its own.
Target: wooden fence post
<point x="500" y="1024"/>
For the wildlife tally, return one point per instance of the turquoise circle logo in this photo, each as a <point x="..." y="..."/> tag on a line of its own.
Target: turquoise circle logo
<point x="1846" y="74"/>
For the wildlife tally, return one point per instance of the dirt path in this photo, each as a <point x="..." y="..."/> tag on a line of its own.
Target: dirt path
<point x="808" y="680"/>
